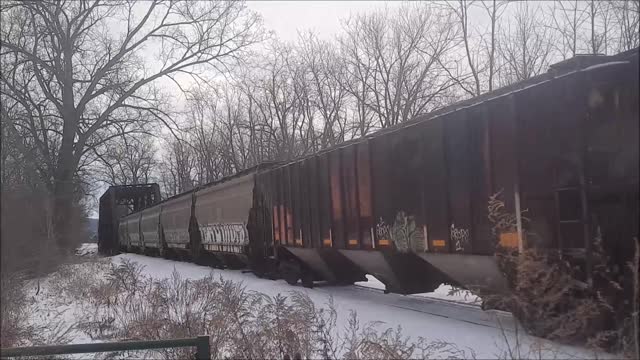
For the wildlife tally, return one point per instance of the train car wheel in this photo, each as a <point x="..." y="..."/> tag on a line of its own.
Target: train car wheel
<point x="290" y="272"/>
<point x="291" y="279"/>
<point x="307" y="279"/>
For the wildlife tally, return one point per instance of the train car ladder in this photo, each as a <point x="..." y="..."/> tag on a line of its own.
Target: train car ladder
<point x="580" y="253"/>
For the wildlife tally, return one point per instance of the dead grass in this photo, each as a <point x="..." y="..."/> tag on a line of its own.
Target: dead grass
<point x="127" y="305"/>
<point x="550" y="301"/>
<point x="18" y="308"/>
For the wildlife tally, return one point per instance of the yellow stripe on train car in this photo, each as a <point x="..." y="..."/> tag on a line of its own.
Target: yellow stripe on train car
<point x="509" y="239"/>
<point x="438" y="243"/>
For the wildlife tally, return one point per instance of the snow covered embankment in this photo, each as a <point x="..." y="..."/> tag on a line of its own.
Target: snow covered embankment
<point x="433" y="329"/>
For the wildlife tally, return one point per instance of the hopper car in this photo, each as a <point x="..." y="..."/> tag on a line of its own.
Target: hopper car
<point x="409" y="204"/>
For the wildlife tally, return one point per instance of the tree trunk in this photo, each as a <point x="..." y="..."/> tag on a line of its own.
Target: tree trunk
<point x="67" y="165"/>
<point x="63" y="212"/>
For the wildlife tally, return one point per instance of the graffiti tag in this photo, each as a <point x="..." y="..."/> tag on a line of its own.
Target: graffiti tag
<point x="225" y="234"/>
<point x="460" y="237"/>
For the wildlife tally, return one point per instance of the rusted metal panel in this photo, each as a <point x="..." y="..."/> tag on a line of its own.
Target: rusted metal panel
<point x="315" y="227"/>
<point x="306" y="203"/>
<point x="282" y="189"/>
<point x="286" y="207"/>
<point x="436" y="187"/>
<point x="296" y="202"/>
<point x="406" y="158"/>
<point x="350" y="186"/>
<point x="365" y="196"/>
<point x="569" y="179"/>
<point x="482" y="239"/>
<point x="611" y="161"/>
<point x="324" y="200"/>
<point x="272" y="191"/>
<point x="380" y="169"/>
<point x="536" y="162"/>
<point x="222" y="212"/>
<point x="174" y="218"/>
<point x="612" y="124"/>
<point x="459" y="176"/>
<point x="337" y="203"/>
<point x="504" y="164"/>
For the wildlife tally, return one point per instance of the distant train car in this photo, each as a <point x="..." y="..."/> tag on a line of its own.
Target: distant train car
<point x="119" y="201"/>
<point x="549" y="162"/>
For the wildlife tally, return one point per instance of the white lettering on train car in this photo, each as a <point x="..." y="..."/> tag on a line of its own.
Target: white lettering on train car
<point x="176" y="236"/>
<point x="225" y="234"/>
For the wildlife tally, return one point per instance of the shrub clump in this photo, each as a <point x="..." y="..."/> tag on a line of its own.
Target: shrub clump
<point x="552" y="299"/>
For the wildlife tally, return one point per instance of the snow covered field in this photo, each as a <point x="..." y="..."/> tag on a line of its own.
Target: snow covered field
<point x="488" y="334"/>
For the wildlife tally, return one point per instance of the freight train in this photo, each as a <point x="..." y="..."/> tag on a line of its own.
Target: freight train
<point x="414" y="204"/>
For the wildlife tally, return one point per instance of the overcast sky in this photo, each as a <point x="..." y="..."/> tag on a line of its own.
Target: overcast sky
<point x="286" y="18"/>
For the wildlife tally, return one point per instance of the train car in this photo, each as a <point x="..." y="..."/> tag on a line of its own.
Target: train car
<point x="410" y="204"/>
<point x="119" y="201"/>
<point x="150" y="231"/>
<point x="175" y="226"/>
<point x="221" y="213"/>
<point x="549" y="162"/>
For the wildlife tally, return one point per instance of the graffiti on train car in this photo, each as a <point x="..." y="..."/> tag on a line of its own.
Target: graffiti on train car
<point x="177" y="237"/>
<point x="383" y="232"/>
<point x="403" y="233"/>
<point x="229" y="233"/>
<point x="460" y="237"/>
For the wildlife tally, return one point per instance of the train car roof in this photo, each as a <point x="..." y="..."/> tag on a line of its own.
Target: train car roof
<point x="569" y="67"/>
<point x="244" y="172"/>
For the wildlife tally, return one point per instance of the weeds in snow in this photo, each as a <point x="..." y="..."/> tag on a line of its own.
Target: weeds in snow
<point x="125" y="304"/>
<point x="18" y="310"/>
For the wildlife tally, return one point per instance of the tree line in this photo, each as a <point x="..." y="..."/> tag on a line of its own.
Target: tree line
<point x="185" y="92"/>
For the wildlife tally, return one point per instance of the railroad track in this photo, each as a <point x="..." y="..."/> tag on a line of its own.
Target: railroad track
<point x="456" y="310"/>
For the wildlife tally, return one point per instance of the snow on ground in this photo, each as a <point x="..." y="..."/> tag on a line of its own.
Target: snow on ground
<point x="467" y="326"/>
<point x="444" y="292"/>
<point x="424" y="315"/>
<point x="87" y="249"/>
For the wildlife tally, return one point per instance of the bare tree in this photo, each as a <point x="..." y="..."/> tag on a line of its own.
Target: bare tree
<point x="627" y="15"/>
<point x="177" y="167"/>
<point x="359" y="75"/>
<point x="402" y="53"/>
<point x="461" y="10"/>
<point x="325" y="74"/>
<point x="78" y="76"/>
<point x="494" y="10"/>
<point x="475" y="74"/>
<point x="127" y="160"/>
<point x="526" y="45"/>
<point x="568" y="20"/>
<point x="600" y="20"/>
<point x="274" y="94"/>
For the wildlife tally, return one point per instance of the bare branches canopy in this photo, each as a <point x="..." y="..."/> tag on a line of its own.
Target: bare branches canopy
<point x="76" y="74"/>
<point x="88" y="87"/>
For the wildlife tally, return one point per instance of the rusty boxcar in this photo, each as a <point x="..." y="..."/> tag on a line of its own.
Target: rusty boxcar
<point x="555" y="156"/>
